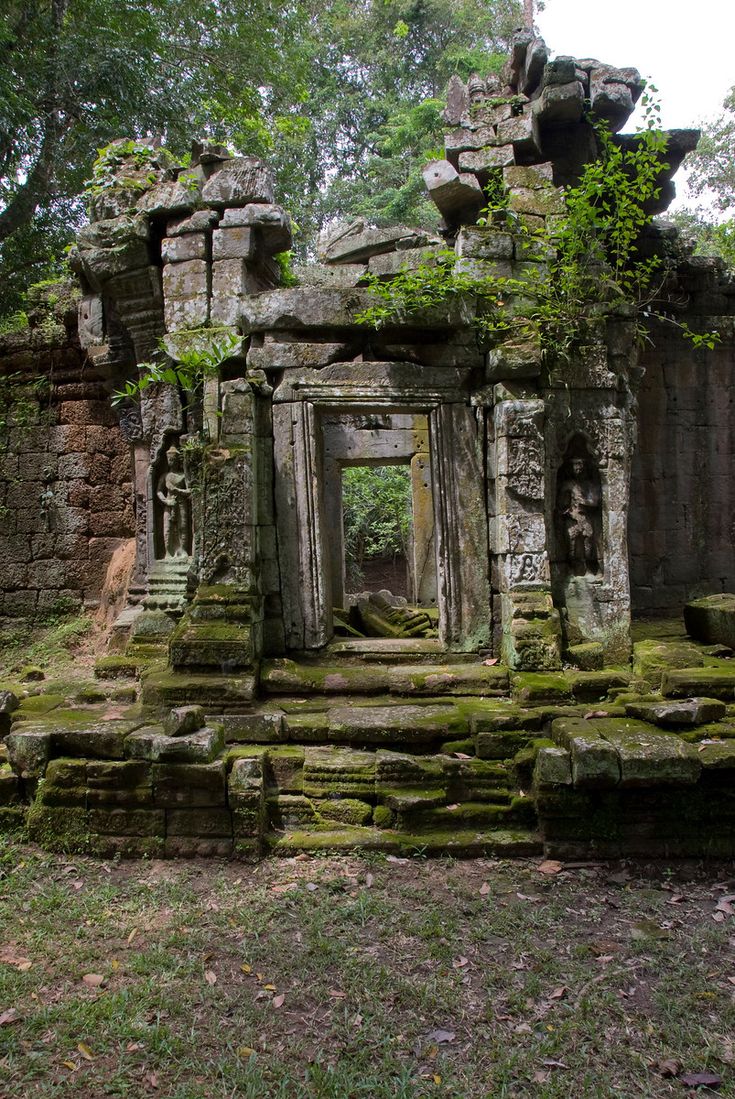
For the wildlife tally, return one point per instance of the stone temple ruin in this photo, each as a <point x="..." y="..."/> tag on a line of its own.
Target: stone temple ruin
<point x="504" y="706"/>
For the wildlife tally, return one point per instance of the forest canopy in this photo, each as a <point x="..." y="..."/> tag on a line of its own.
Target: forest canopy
<point x="343" y="97"/>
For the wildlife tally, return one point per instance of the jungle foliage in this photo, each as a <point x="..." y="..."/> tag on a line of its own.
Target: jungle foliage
<point x="341" y="96"/>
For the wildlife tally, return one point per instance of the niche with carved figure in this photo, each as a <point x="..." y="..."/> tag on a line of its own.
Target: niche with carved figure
<point x="578" y="512"/>
<point x="172" y="507"/>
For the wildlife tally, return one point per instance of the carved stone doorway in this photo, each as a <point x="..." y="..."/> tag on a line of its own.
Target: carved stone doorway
<point x="313" y="432"/>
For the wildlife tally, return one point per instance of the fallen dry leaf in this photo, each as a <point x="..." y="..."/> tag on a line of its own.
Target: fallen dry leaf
<point x="85" y="1051"/>
<point x="491" y="662"/>
<point x="558" y="993"/>
<point x="278" y="1000"/>
<point x="549" y="866"/>
<point x="484" y="889"/>
<point x="246" y="968"/>
<point x="93" y="980"/>
<point x="9" y="957"/>
<point x="369" y="880"/>
<point x="595" y="713"/>
<point x="441" y="1036"/>
<point x="9" y="1016"/>
<point x="460" y="962"/>
<point x="669" y="1067"/>
<point x="245" y="1052"/>
<point x="210" y="977"/>
<point x="701" y="1080"/>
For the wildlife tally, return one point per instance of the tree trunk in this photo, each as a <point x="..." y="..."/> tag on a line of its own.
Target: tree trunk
<point x="528" y="13"/>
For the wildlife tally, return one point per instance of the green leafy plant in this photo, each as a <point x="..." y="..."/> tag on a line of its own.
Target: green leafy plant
<point x="588" y="257"/>
<point x="376" y="504"/>
<point x="189" y="371"/>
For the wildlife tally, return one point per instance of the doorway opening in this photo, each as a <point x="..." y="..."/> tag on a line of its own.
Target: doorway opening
<point x="383" y="569"/>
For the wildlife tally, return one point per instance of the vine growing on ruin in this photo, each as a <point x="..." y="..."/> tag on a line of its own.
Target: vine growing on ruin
<point x="586" y="259"/>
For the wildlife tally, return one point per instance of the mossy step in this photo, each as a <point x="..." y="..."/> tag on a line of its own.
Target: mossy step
<point x="466" y="844"/>
<point x="216" y="693"/>
<point x="285" y="676"/>
<point x="714" y="682"/>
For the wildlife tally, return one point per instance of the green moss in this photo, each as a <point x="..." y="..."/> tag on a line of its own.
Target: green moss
<point x="383" y="817"/>
<point x="345" y="811"/>
<point x="62" y="829"/>
<point x="117" y="667"/>
<point x="534" y="687"/>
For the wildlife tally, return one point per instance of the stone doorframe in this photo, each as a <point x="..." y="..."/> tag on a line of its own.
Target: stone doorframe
<point x="301" y="403"/>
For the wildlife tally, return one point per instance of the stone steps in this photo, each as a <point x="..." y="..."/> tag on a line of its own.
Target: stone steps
<point x="289" y="677"/>
<point x="461" y="844"/>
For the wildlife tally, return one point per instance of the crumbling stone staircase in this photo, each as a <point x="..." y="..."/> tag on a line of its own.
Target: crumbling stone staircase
<point x="461" y="757"/>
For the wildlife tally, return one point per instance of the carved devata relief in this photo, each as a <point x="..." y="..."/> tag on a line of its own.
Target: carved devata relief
<point x="579" y="511"/>
<point x="174" y="497"/>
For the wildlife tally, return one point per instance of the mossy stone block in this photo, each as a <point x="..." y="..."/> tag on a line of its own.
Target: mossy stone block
<point x="286" y="769"/>
<point x="152" y="744"/>
<point x="284" y="676"/>
<point x="199" y="822"/>
<point x="29" y="748"/>
<point x="189" y="784"/>
<point x="588" y="656"/>
<point x="531" y="688"/>
<point x="685" y="714"/>
<point x="10" y="790"/>
<point x="595" y="762"/>
<point x="383" y="816"/>
<point x="255" y="728"/>
<point x="553" y="768"/>
<point x="217" y="693"/>
<point x="117" y="667"/>
<point x="58" y="828"/>
<point x="594" y="686"/>
<point x="451" y="679"/>
<point x="103" y="740"/>
<point x="718" y="756"/>
<point x="345" y="811"/>
<point x="712" y="619"/>
<point x="502" y="744"/>
<point x="127" y="821"/>
<point x="715" y="682"/>
<point x="490" y="717"/>
<point x="651" y="757"/>
<point x="12" y="818"/>
<point x="653" y="658"/>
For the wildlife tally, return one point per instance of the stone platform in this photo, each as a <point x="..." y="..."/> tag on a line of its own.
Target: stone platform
<point x="462" y="757"/>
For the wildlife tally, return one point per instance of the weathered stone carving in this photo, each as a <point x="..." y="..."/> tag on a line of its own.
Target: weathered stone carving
<point x="579" y="505"/>
<point x="174" y="496"/>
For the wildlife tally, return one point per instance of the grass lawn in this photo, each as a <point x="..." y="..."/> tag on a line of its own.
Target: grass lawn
<point x="344" y="976"/>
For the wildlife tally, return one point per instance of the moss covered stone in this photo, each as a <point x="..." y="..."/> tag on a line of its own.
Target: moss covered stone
<point x="57" y="828"/>
<point x="346" y="811"/>
<point x="530" y="688"/>
<point x="712" y="682"/>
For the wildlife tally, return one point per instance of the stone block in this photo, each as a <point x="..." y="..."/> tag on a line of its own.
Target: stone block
<point x="458" y="196"/>
<point x="349" y="811"/>
<point x="183" y="281"/>
<point x="475" y="242"/>
<point x="483" y="162"/>
<point x="235" y="242"/>
<point x="712" y="619"/>
<point x="127" y="821"/>
<point x="199" y="822"/>
<point x="104" y="740"/>
<point x="152" y="744"/>
<point x="685" y="714"/>
<point x="559" y="104"/>
<point x="553" y="767"/>
<point x="185" y="247"/>
<point x="198" y="222"/>
<point x="239" y="182"/>
<point x="182" y="785"/>
<point x="255" y="728"/>
<point x="29" y="750"/>
<point x="358" y="244"/>
<point x="691" y="682"/>
<point x="390" y="264"/>
<point x="182" y="720"/>
<point x="58" y="828"/>
<point x="192" y="847"/>
<point x="341" y="772"/>
<point x="649" y="757"/>
<point x="537" y="202"/>
<point x="272" y="223"/>
<point x="518" y="131"/>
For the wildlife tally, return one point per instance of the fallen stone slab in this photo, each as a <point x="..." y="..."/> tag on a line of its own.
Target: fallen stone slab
<point x="152" y="744"/>
<point x="692" y="682"/>
<point x="451" y="679"/>
<point x="689" y="712"/>
<point x="650" y="757"/>
<point x="285" y="676"/>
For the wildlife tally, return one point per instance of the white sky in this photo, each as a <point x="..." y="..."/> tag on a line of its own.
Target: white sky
<point x="685" y="47"/>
